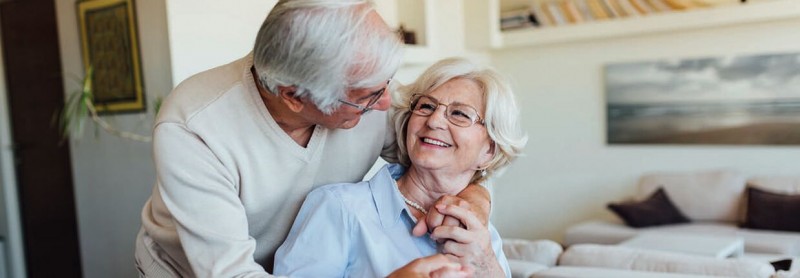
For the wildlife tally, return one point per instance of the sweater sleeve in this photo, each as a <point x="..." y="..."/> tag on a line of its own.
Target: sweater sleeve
<point x="319" y="241"/>
<point x="202" y="198"/>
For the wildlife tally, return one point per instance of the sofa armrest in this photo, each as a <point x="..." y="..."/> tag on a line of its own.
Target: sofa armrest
<point x="544" y="252"/>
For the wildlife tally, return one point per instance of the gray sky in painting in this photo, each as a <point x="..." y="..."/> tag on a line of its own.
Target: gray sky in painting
<point x="743" y="78"/>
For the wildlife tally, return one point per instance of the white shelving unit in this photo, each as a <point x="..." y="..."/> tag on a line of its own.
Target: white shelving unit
<point x="416" y="16"/>
<point x="701" y="18"/>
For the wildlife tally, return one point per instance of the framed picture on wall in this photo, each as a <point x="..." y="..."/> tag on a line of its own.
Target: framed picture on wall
<point x="735" y="100"/>
<point x="110" y="48"/>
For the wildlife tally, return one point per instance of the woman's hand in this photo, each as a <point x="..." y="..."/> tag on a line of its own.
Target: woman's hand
<point x="474" y="197"/>
<point x="471" y="244"/>
<point x="435" y="219"/>
<point x="436" y="266"/>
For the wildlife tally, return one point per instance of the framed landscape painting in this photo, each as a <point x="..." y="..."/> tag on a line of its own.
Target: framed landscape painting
<point x="733" y="100"/>
<point x="110" y="49"/>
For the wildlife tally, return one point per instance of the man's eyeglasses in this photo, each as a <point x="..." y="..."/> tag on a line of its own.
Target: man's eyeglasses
<point x="375" y="97"/>
<point x="459" y="114"/>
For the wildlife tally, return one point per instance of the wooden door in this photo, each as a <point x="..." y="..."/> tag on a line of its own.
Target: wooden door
<point x="44" y="175"/>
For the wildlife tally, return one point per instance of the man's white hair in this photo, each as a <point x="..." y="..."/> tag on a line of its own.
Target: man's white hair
<point x="325" y="48"/>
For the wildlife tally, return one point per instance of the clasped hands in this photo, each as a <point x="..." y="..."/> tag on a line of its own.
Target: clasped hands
<point x="462" y="231"/>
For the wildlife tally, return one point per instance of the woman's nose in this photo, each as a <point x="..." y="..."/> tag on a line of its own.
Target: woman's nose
<point x="438" y="119"/>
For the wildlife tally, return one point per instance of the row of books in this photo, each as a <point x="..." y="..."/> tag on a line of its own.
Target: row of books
<point x="562" y="12"/>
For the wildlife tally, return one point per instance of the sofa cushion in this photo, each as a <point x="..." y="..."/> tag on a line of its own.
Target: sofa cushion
<point x="701" y="196"/>
<point x="524" y="269"/>
<point x="772" y="211"/>
<point x="543" y="252"/>
<point x="617" y="257"/>
<point x="777" y="184"/>
<point x="607" y="232"/>
<point x="697" y="228"/>
<point x="598" y="232"/>
<point x="755" y="241"/>
<point x="593" y="272"/>
<point x="771" y="242"/>
<point x="654" y="211"/>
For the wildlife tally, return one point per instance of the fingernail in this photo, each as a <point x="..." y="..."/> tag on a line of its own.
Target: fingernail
<point x="440" y="207"/>
<point x="454" y="265"/>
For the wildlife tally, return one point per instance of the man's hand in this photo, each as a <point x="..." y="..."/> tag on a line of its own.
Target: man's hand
<point x="470" y="243"/>
<point x="436" y="266"/>
<point x="474" y="198"/>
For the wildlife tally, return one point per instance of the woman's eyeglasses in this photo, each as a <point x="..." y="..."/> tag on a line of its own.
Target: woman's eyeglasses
<point x="458" y="114"/>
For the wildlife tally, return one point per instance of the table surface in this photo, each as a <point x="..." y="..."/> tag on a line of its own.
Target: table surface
<point x="714" y="246"/>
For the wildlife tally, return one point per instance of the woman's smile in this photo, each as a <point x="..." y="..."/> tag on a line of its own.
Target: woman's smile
<point x="435" y="142"/>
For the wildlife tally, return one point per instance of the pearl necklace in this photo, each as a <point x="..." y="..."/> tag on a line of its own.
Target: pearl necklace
<point x="413" y="204"/>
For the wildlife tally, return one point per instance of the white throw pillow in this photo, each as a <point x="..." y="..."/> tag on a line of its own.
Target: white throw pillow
<point x="701" y="196"/>
<point x="544" y="252"/>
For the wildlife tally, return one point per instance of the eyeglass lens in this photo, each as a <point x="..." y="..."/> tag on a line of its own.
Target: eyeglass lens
<point x="377" y="97"/>
<point x="457" y="113"/>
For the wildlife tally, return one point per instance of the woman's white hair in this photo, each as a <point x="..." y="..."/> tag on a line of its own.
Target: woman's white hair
<point x="325" y="48"/>
<point x="502" y="114"/>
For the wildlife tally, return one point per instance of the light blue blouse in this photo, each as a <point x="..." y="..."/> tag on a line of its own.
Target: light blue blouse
<point x="358" y="230"/>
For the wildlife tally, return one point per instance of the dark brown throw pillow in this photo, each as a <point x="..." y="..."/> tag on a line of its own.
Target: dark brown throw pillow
<point x="772" y="211"/>
<point x="785" y="264"/>
<point x="655" y="210"/>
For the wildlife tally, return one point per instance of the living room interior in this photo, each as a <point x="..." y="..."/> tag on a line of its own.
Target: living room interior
<point x="569" y="173"/>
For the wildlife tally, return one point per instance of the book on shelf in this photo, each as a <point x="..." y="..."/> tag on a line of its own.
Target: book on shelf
<point x="597" y="9"/>
<point x="519" y="18"/>
<point x="642" y="7"/>
<point x="514" y="14"/>
<point x="614" y="8"/>
<point x="659" y="5"/>
<point x="583" y="8"/>
<point x="541" y="16"/>
<point x="561" y="12"/>
<point x="571" y="11"/>
<point x="628" y="7"/>
<point x="555" y="13"/>
<point x="533" y="18"/>
<point x="681" y="4"/>
<point x="719" y="2"/>
<point x="504" y="26"/>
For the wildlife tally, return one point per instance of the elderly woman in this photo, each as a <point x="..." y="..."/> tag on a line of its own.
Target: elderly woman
<point x="456" y="125"/>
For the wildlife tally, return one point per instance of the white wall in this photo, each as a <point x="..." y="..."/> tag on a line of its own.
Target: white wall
<point x="10" y="223"/>
<point x="208" y="33"/>
<point x="113" y="176"/>
<point x="569" y="173"/>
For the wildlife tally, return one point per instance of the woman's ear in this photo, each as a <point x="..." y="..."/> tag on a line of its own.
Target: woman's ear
<point x="487" y="156"/>
<point x="290" y="99"/>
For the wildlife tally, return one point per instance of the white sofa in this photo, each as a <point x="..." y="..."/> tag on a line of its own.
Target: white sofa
<point x="715" y="203"/>
<point x="546" y="259"/>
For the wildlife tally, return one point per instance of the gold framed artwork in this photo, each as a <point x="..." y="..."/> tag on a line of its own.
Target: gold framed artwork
<point x="110" y="49"/>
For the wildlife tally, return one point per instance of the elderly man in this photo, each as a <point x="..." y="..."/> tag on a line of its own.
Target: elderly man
<point x="238" y="147"/>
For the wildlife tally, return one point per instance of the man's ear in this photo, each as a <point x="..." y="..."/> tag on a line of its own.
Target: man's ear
<point x="288" y="97"/>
